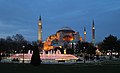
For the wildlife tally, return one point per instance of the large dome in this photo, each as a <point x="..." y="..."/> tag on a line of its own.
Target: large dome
<point x="65" y="29"/>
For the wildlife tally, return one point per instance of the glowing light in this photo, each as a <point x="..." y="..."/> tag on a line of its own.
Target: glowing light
<point x="84" y="32"/>
<point x="68" y="38"/>
<point x="64" y="51"/>
<point x="46" y="56"/>
<point x="80" y="38"/>
<point x="60" y="46"/>
<point x="93" y="28"/>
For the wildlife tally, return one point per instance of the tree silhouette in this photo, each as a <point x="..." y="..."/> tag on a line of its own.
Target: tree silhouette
<point x="86" y="47"/>
<point x="110" y="43"/>
<point x="19" y="41"/>
<point x="11" y="44"/>
<point x="35" y="59"/>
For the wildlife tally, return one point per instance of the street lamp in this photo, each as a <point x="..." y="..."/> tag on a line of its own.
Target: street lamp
<point x="23" y="52"/>
<point x="73" y="44"/>
<point x="84" y="53"/>
<point x="74" y="47"/>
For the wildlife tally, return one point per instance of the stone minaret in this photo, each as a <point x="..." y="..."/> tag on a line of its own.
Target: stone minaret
<point x="93" y="33"/>
<point x="39" y="30"/>
<point x="85" y="34"/>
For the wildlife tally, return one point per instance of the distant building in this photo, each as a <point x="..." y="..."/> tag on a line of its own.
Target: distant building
<point x="93" y="33"/>
<point x="40" y="30"/>
<point x="63" y="38"/>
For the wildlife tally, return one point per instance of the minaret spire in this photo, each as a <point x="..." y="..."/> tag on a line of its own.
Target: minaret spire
<point x="39" y="30"/>
<point x="93" y="33"/>
<point x="85" y="34"/>
<point x="40" y="18"/>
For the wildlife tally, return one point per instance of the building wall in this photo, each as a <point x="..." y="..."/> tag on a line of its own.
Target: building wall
<point x="69" y="36"/>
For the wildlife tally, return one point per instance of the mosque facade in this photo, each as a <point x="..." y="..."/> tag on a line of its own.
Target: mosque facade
<point x="65" y="38"/>
<point x="62" y="39"/>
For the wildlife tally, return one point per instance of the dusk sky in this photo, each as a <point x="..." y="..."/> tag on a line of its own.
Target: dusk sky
<point x="21" y="17"/>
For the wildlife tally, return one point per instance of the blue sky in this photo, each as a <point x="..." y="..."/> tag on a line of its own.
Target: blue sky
<point x="21" y="17"/>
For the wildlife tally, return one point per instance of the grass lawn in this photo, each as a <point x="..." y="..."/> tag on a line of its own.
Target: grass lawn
<point x="59" y="68"/>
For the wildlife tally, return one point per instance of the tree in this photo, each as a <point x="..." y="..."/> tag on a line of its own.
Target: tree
<point x="0" y="57"/>
<point x="11" y="44"/>
<point x="118" y="46"/>
<point x="19" y="42"/>
<point x="35" y="59"/>
<point x="110" y="43"/>
<point x="2" y="44"/>
<point x="91" y="49"/>
<point x="18" y="37"/>
<point x="86" y="47"/>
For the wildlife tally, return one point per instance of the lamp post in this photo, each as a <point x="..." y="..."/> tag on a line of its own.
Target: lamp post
<point x="74" y="47"/>
<point x="73" y="44"/>
<point x="23" y="52"/>
<point x="84" y="53"/>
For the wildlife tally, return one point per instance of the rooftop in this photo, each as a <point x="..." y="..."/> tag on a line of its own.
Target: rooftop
<point x="64" y="29"/>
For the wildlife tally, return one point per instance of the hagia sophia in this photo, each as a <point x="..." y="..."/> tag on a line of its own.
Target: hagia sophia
<point x="65" y="37"/>
<point x="62" y="46"/>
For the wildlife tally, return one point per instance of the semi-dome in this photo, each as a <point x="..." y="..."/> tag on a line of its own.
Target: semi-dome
<point x="65" y="29"/>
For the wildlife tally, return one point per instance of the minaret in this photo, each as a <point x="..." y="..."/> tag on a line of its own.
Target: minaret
<point x="39" y="30"/>
<point x="85" y="34"/>
<point x="93" y="33"/>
